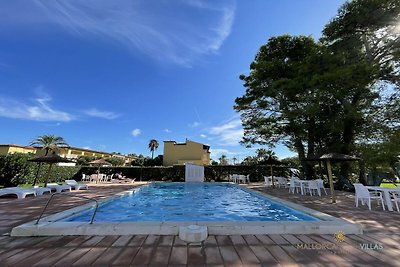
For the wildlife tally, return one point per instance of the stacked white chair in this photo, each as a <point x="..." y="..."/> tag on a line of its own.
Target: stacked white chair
<point x="365" y="196"/>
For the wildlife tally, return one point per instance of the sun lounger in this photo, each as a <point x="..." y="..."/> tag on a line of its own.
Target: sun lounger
<point x="19" y="192"/>
<point x="75" y="185"/>
<point x="58" y="188"/>
<point x="41" y="190"/>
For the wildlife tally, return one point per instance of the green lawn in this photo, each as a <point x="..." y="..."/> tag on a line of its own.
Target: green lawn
<point x="389" y="185"/>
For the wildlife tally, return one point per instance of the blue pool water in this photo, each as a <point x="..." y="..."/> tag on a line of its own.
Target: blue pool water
<point x="192" y="202"/>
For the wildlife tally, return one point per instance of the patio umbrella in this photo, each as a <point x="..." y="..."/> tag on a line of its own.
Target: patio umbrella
<point x="99" y="163"/>
<point x="50" y="159"/>
<point x="272" y="162"/>
<point x="330" y="158"/>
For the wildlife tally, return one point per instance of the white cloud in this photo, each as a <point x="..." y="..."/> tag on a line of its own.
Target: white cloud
<point x="167" y="131"/>
<point x="136" y="132"/>
<point x="109" y="115"/>
<point x="194" y="124"/>
<point x="228" y="134"/>
<point x="173" y="31"/>
<point x="203" y="135"/>
<point x="39" y="110"/>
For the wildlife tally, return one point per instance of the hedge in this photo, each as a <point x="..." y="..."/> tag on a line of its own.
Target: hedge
<point x="16" y="169"/>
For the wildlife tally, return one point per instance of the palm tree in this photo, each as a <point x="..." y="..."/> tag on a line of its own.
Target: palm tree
<point x="153" y="145"/>
<point x="234" y="160"/>
<point x="222" y="160"/>
<point x="49" y="143"/>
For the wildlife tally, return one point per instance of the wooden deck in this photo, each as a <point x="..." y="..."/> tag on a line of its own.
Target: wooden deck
<point x="379" y="246"/>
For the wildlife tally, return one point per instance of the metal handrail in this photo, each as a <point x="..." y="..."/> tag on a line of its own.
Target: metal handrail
<point x="51" y="197"/>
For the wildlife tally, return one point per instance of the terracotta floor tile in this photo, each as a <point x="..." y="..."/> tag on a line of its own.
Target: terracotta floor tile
<point x="223" y="240"/>
<point x="263" y="255"/>
<point x="151" y="240"/>
<point x="230" y="256"/>
<point x="107" y="241"/>
<point x="251" y="240"/>
<point x="195" y="256"/>
<point x="213" y="256"/>
<point x="264" y="239"/>
<point x="210" y="241"/>
<point x="53" y="257"/>
<point x="143" y="256"/>
<point x="178" y="255"/>
<point x="122" y="240"/>
<point x="90" y="257"/>
<point x="161" y="256"/>
<point x="18" y="257"/>
<point x="137" y="240"/>
<point x="107" y="257"/>
<point x="166" y="240"/>
<point x="246" y="255"/>
<point x="237" y="240"/>
<point x="125" y="257"/>
<point x="71" y="257"/>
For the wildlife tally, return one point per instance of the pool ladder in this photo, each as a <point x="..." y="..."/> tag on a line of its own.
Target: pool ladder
<point x="82" y="197"/>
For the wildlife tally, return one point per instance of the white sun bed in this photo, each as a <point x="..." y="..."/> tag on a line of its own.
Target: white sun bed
<point x="19" y="192"/>
<point x="74" y="184"/>
<point x="58" y="188"/>
<point x="41" y="190"/>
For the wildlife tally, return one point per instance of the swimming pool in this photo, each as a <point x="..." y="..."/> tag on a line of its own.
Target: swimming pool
<point x="164" y="208"/>
<point x="192" y="202"/>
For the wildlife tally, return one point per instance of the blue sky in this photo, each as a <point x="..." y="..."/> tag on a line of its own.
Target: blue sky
<point x="111" y="75"/>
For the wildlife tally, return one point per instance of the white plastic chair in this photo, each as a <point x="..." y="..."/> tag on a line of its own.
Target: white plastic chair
<point x="282" y="182"/>
<point x="363" y="195"/>
<point x="311" y="186"/>
<point x="320" y="183"/>
<point x="396" y="199"/>
<point x="268" y="181"/>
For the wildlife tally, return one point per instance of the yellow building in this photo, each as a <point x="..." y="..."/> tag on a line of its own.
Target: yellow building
<point x="180" y="153"/>
<point x="69" y="153"/>
<point x="11" y="149"/>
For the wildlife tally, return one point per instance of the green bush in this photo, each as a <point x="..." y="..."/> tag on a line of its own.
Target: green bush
<point x="15" y="169"/>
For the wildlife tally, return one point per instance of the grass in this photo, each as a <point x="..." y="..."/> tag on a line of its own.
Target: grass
<point x="389" y="185"/>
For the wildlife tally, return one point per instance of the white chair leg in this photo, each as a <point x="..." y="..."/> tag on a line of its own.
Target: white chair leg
<point x="383" y="203"/>
<point x="369" y="203"/>
<point x="356" y="201"/>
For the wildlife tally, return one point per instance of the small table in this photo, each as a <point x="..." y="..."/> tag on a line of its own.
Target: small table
<point x="386" y="194"/>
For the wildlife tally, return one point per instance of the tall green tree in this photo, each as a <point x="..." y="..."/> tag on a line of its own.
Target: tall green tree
<point x="49" y="143"/>
<point x="153" y="145"/>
